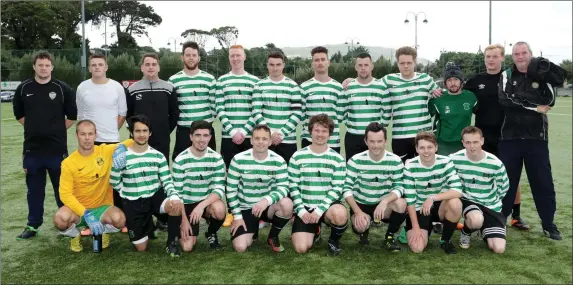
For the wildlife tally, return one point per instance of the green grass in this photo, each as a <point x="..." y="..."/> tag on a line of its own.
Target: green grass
<point x="529" y="257"/>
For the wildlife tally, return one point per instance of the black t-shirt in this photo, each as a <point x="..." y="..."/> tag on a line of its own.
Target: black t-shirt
<point x="45" y="108"/>
<point x="489" y="114"/>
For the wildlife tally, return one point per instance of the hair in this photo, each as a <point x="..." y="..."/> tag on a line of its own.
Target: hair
<point x="43" y="55"/>
<point x="491" y="47"/>
<point x="323" y="120"/>
<point x="319" y="49"/>
<point x="471" y="130"/>
<point x="237" y="46"/>
<point x="84" y="122"/>
<point x="522" y="43"/>
<point x="189" y="44"/>
<point x="375" y="127"/>
<point x="97" y="55"/>
<point x="199" y="125"/>
<point x="276" y="54"/>
<point x="427" y="136"/>
<point x="139" y="118"/>
<point x="406" y="51"/>
<point x="149" y="54"/>
<point x="262" y="127"/>
<point x="364" y="55"/>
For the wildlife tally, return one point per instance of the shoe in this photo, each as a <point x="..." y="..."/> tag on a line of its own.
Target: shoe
<point x="172" y="249"/>
<point x="334" y="247"/>
<point x="228" y="220"/>
<point x="161" y="226"/>
<point x="465" y="240"/>
<point x="275" y="244"/>
<point x="459" y="226"/>
<point x="448" y="247"/>
<point x="391" y="245"/>
<point x="76" y="244"/>
<point x="438" y="227"/>
<point x="402" y="236"/>
<point x="316" y="236"/>
<point x="552" y="233"/>
<point x="28" y="232"/>
<point x="363" y="239"/>
<point x="213" y="241"/>
<point x="104" y="240"/>
<point x="124" y="230"/>
<point x="520" y="224"/>
<point x="262" y="224"/>
<point x="86" y="232"/>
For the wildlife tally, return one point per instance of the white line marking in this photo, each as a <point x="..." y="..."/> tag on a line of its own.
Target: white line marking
<point x="559" y="114"/>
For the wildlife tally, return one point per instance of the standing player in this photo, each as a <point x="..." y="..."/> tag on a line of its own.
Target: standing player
<point x="322" y="95"/>
<point x="485" y="183"/>
<point x="84" y="188"/>
<point x="199" y="178"/>
<point x="367" y="102"/>
<point x="195" y="91"/>
<point x="102" y="100"/>
<point x="373" y="187"/>
<point x="257" y="189"/>
<point x="46" y="107"/>
<point x="316" y="175"/>
<point x="432" y="189"/>
<point x="146" y="171"/>
<point x="155" y="99"/>
<point x="452" y="111"/>
<point x="277" y="104"/>
<point x="233" y="101"/>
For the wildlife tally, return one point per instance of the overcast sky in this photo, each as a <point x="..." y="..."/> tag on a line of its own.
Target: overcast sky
<point x="452" y="26"/>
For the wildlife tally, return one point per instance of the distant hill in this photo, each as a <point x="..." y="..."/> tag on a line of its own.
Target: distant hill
<point x="375" y="51"/>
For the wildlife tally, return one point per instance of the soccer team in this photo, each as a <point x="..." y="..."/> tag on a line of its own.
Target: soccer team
<point x="435" y="175"/>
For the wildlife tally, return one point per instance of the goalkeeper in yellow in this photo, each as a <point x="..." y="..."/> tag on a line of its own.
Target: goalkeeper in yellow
<point x="85" y="189"/>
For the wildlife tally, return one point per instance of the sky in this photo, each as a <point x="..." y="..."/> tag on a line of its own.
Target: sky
<point x="452" y="26"/>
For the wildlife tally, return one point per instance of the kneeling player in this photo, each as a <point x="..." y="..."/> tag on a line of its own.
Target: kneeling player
<point x="199" y="178"/>
<point x="432" y="189"/>
<point x="373" y="187"/>
<point x="257" y="189"/>
<point x="145" y="172"/>
<point x="316" y="175"/>
<point x="485" y="183"/>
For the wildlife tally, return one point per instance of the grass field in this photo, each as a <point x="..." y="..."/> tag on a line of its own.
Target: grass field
<point x="529" y="258"/>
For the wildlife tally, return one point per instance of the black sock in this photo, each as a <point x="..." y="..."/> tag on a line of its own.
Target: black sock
<point x="336" y="232"/>
<point x="448" y="230"/>
<point x="214" y="225"/>
<point x="173" y="227"/>
<point x="278" y="224"/>
<point x="365" y="233"/>
<point x="163" y="218"/>
<point x="396" y="219"/>
<point x="516" y="211"/>
<point x="466" y="230"/>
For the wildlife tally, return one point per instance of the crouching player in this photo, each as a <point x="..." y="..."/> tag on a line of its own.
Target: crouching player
<point x="257" y="189"/>
<point x="432" y="189"/>
<point x="85" y="189"/>
<point x="316" y="175"/>
<point x="373" y="187"/>
<point x="485" y="183"/>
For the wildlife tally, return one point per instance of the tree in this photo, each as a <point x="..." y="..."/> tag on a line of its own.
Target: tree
<point x="198" y="36"/>
<point x="226" y="36"/>
<point x="337" y="57"/>
<point x="27" y="25"/>
<point x="568" y="66"/>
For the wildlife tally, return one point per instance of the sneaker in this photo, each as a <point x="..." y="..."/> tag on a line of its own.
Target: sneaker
<point x="228" y="220"/>
<point x="334" y="247"/>
<point x="438" y="228"/>
<point x="448" y="247"/>
<point x="363" y="239"/>
<point x="161" y="226"/>
<point x="262" y="224"/>
<point x="391" y="245"/>
<point x="520" y="224"/>
<point x="402" y="236"/>
<point x="275" y="244"/>
<point x="153" y="234"/>
<point x="172" y="249"/>
<point x="86" y="232"/>
<point x="76" y="244"/>
<point x="316" y="237"/>
<point x="465" y="240"/>
<point x="104" y="240"/>
<point x="552" y="233"/>
<point x="213" y="241"/>
<point x="28" y="232"/>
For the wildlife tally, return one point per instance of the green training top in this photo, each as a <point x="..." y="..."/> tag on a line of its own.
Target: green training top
<point x="452" y="114"/>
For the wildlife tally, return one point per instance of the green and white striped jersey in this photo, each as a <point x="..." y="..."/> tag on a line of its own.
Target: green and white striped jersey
<point x="233" y="100"/>
<point x="196" y="97"/>
<point x="421" y="181"/>
<point x="277" y="105"/>
<point x="368" y="180"/>
<point x="409" y="103"/>
<point x="322" y="98"/>
<point x="365" y="103"/>
<point x="195" y="178"/>
<point x="144" y="174"/>
<point x="316" y="180"/>
<point x="484" y="182"/>
<point x="250" y="180"/>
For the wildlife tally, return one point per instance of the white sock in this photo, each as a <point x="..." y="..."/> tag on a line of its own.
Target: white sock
<point x="71" y="232"/>
<point x="110" y="229"/>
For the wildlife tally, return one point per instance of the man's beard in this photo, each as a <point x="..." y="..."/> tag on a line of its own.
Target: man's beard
<point x="191" y="67"/>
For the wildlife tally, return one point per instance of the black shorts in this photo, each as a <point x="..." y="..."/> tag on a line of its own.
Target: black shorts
<point x="404" y="148"/>
<point x="183" y="140"/>
<point x="369" y="210"/>
<point x="354" y="144"/>
<point x="299" y="226"/>
<point x="194" y="227"/>
<point x="425" y="222"/>
<point x="304" y="143"/>
<point x="493" y="222"/>
<point x="285" y="150"/>
<point x="229" y="149"/>
<point x="139" y="217"/>
<point x="251" y="222"/>
<point x="491" y="139"/>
